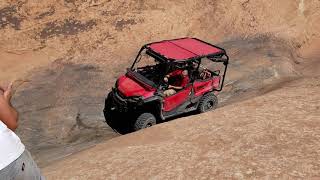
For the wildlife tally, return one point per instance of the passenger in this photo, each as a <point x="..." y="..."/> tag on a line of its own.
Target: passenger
<point x="15" y="161"/>
<point x="180" y="80"/>
<point x="200" y="72"/>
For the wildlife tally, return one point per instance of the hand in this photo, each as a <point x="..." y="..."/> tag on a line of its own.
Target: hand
<point x="1" y="91"/>
<point x="8" y="114"/>
<point x="7" y="92"/>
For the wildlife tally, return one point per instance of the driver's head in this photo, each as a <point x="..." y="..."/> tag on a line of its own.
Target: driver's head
<point x="194" y="64"/>
<point x="185" y="72"/>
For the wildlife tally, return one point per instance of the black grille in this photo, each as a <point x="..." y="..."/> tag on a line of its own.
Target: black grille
<point x="120" y="94"/>
<point x="119" y="102"/>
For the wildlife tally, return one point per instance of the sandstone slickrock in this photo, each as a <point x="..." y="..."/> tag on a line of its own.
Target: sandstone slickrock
<point x="70" y="52"/>
<point x="275" y="136"/>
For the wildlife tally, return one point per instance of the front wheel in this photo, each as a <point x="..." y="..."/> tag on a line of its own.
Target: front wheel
<point x="145" y="120"/>
<point x="207" y="103"/>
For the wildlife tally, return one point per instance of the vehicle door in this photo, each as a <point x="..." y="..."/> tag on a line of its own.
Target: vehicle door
<point x="203" y="86"/>
<point x="177" y="99"/>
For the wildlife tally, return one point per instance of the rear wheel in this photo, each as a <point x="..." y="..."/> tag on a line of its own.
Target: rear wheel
<point x="207" y="103"/>
<point x="145" y="120"/>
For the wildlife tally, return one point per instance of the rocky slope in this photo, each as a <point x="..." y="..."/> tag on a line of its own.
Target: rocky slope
<point x="67" y="54"/>
<point x="101" y="30"/>
<point x="275" y="136"/>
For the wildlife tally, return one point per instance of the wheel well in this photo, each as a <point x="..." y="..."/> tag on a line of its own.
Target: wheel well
<point x="212" y="92"/>
<point x="153" y="107"/>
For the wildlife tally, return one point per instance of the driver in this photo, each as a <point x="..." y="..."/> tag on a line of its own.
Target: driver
<point x="180" y="80"/>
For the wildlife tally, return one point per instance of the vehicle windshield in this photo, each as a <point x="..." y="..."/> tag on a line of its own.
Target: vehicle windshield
<point x="149" y="67"/>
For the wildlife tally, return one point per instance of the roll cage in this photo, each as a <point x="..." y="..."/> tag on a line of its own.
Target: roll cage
<point x="218" y="57"/>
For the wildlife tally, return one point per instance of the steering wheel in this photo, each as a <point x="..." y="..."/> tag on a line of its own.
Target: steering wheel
<point x="163" y="85"/>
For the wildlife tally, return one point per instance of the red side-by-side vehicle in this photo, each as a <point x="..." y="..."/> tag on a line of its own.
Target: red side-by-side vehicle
<point x="139" y="99"/>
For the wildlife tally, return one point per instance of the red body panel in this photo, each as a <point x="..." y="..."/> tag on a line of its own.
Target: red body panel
<point x="182" y="49"/>
<point x="216" y="82"/>
<point x="202" y="87"/>
<point x="177" y="99"/>
<point x="130" y="87"/>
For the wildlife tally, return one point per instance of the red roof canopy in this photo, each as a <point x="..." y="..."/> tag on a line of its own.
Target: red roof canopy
<point x="182" y="49"/>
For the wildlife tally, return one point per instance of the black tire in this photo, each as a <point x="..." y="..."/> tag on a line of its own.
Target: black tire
<point x="145" y="120"/>
<point x="108" y="114"/>
<point x="207" y="103"/>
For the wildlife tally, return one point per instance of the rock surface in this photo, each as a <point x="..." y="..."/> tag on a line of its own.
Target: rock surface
<point x="275" y="136"/>
<point x="67" y="54"/>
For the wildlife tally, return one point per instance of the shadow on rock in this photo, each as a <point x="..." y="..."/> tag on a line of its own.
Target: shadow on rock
<point x="61" y="109"/>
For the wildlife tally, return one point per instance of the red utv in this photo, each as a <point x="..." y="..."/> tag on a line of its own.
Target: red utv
<point x="139" y="99"/>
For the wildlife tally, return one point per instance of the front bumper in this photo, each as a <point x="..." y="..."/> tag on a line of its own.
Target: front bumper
<point x="117" y="102"/>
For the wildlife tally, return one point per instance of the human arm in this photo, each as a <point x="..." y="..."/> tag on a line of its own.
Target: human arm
<point x="174" y="73"/>
<point x="8" y="115"/>
<point x="175" y="87"/>
<point x="183" y="84"/>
